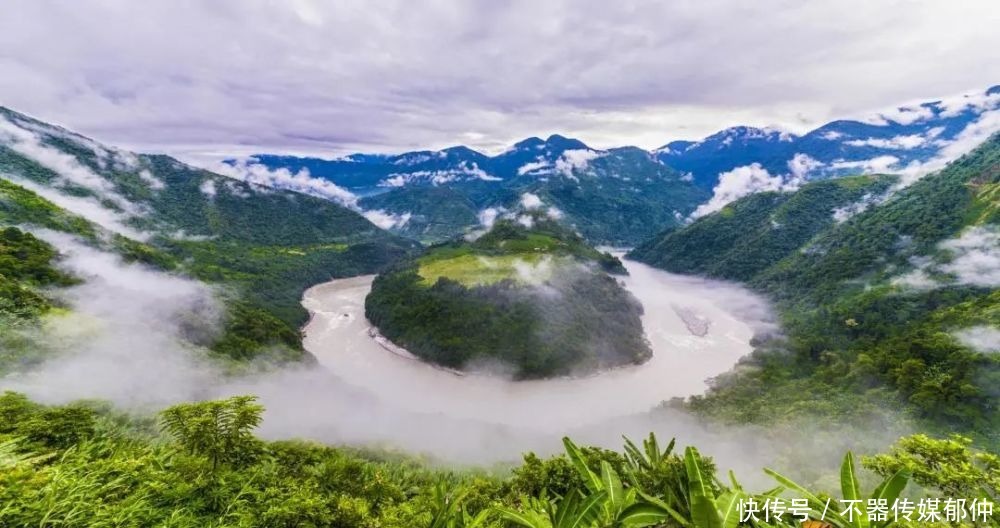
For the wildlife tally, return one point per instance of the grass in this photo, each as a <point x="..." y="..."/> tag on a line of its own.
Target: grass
<point x="267" y="252"/>
<point x="481" y="270"/>
<point x="481" y="266"/>
<point x="855" y="182"/>
<point x="986" y="204"/>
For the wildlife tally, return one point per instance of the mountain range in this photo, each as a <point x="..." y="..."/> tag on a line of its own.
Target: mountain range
<point x="621" y="196"/>
<point x="617" y="196"/>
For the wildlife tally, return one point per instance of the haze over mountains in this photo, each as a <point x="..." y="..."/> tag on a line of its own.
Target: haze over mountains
<point x="264" y="244"/>
<point x="436" y="194"/>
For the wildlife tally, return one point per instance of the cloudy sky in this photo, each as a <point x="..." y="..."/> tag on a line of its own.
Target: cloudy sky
<point x="230" y="77"/>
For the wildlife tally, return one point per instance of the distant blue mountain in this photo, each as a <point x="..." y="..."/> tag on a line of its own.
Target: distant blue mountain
<point x="617" y="197"/>
<point x="367" y="172"/>
<point x="909" y="134"/>
<point x="620" y="195"/>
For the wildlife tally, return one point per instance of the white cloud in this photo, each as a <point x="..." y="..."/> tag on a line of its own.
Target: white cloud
<point x="832" y="135"/>
<point x="531" y="201"/>
<point x="208" y="188"/>
<point x="843" y="214"/>
<point x="487" y="217"/>
<point x="878" y="164"/>
<point x="898" y="142"/>
<point x="964" y="142"/>
<point x="976" y="257"/>
<point x="385" y="219"/>
<point x="153" y="182"/>
<point x="84" y="206"/>
<point x="977" y="102"/>
<point x="532" y="167"/>
<point x="905" y="142"/>
<point x="249" y="171"/>
<point x="740" y="182"/>
<point x="465" y="171"/>
<point x="29" y="144"/>
<point x="904" y="115"/>
<point x="973" y="259"/>
<point x="802" y="164"/>
<point x="575" y="161"/>
<point x="982" y="338"/>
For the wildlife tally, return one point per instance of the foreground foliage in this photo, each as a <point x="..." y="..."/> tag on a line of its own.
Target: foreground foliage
<point x="83" y="465"/>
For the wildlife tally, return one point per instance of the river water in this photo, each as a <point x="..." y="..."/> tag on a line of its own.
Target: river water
<point x="697" y="328"/>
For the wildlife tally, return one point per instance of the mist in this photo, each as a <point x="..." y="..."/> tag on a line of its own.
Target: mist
<point x="135" y="337"/>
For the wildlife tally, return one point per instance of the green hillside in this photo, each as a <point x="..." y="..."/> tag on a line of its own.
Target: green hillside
<point x="620" y="198"/>
<point x="873" y="307"/>
<point x="436" y="213"/>
<point x="754" y="233"/>
<point x="265" y="246"/>
<point x="538" y="299"/>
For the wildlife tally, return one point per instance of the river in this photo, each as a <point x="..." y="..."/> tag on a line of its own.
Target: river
<point x="697" y="328"/>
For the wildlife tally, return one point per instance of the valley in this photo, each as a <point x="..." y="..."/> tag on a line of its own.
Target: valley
<point x="208" y="335"/>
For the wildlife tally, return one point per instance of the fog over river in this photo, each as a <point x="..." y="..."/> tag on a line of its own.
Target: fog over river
<point x="697" y="328"/>
<point x="677" y="310"/>
<point x="123" y="344"/>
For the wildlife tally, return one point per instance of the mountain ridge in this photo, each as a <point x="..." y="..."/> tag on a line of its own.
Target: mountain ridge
<point x="909" y="140"/>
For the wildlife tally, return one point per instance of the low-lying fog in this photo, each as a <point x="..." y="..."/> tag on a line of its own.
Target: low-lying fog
<point x="338" y="335"/>
<point x="124" y="344"/>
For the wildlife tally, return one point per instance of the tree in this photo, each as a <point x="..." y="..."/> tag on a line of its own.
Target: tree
<point x="949" y="466"/>
<point x="220" y="430"/>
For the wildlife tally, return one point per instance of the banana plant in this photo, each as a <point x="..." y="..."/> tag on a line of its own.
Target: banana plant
<point x="650" y="457"/>
<point x="889" y="490"/>
<point x="607" y="503"/>
<point x="449" y="512"/>
<point x="620" y="507"/>
<point x="575" y="510"/>
<point x="650" y="467"/>
<point x="705" y="508"/>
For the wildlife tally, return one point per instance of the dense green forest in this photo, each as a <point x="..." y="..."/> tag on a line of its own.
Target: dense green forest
<point x="539" y="300"/>
<point x="752" y="234"/>
<point x="199" y="465"/>
<point x="263" y="246"/>
<point x="858" y="337"/>
<point x="619" y="197"/>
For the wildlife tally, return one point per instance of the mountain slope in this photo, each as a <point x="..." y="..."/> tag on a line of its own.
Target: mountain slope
<point x="896" y="306"/>
<point x="750" y="235"/>
<point x="264" y="245"/>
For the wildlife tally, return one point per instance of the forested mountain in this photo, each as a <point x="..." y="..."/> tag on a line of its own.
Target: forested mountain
<point x="752" y="234"/>
<point x="265" y="245"/>
<point x="622" y="196"/>
<point x="617" y="196"/>
<point x="528" y="296"/>
<point x="898" y="302"/>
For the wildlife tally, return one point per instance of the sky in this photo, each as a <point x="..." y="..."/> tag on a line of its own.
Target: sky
<point x="221" y="78"/>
